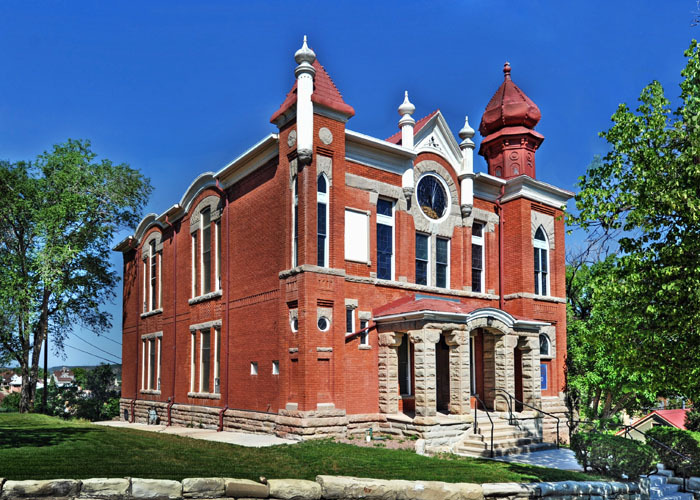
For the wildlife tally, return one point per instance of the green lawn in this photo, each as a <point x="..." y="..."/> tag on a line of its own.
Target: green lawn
<point x="40" y="447"/>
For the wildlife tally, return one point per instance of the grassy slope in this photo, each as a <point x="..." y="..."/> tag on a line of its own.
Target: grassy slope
<point x="39" y="447"/>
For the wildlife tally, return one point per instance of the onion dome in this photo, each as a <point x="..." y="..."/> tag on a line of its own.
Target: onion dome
<point x="509" y="107"/>
<point x="304" y="54"/>
<point x="467" y="131"/>
<point x="407" y="107"/>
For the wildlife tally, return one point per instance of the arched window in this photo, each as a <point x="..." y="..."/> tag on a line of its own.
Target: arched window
<point x="545" y="345"/>
<point x="295" y="224"/>
<point x="322" y="221"/>
<point x="541" y="262"/>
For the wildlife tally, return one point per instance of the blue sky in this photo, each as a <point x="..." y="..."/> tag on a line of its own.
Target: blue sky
<point x="178" y="88"/>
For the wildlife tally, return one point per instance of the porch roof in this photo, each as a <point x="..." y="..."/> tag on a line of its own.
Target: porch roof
<point x="435" y="308"/>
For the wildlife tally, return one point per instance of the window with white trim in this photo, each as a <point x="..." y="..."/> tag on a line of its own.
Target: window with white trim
<point x="295" y="224"/>
<point x="349" y="320"/>
<point x="422" y="259"/>
<point x="152" y="264"/>
<point x="275" y="367"/>
<point x="254" y="368"/>
<point x="322" y="221"/>
<point x="205" y="362"/>
<point x="385" y="239"/>
<point x="442" y="262"/>
<point x="364" y="336"/>
<point x="545" y="345"/>
<point x="206" y="250"/>
<point x="477" y="257"/>
<point x="541" y="248"/>
<point x="150" y="362"/>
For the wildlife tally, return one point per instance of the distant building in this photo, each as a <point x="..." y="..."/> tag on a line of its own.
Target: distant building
<point x="665" y="418"/>
<point x="327" y="281"/>
<point x="63" y="377"/>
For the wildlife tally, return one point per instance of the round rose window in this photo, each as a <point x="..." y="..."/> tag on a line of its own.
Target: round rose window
<point x="432" y="197"/>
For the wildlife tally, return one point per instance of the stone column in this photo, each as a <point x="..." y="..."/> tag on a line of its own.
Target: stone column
<point x="389" y="372"/>
<point x="424" y="365"/>
<point x="532" y="393"/>
<point x="460" y="372"/>
<point x="504" y="369"/>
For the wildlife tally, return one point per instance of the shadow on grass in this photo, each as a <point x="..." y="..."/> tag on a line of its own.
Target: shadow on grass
<point x="12" y="438"/>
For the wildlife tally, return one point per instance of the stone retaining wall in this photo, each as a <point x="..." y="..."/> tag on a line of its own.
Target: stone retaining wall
<point x="325" y="487"/>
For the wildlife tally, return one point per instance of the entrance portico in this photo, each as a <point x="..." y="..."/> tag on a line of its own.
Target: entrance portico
<point x="504" y="359"/>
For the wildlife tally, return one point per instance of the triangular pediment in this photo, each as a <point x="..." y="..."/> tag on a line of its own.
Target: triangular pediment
<point x="436" y="137"/>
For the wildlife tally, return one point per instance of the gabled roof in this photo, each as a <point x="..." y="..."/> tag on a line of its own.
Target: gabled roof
<point x="674" y="418"/>
<point x="396" y="138"/>
<point x="325" y="94"/>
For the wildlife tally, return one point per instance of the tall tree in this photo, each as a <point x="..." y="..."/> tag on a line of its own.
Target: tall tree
<point x="58" y="216"/>
<point x="646" y="192"/>
<point x="599" y="381"/>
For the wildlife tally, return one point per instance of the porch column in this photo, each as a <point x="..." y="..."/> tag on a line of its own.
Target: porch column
<point x="532" y="393"/>
<point x="424" y="358"/>
<point x="460" y="372"/>
<point x="389" y="372"/>
<point x="504" y="369"/>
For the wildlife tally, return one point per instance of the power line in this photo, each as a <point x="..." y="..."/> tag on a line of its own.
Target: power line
<point x="93" y="345"/>
<point x="91" y="354"/>
<point x="105" y="337"/>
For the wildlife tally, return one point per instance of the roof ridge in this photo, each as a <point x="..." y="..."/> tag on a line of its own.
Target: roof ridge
<point x="396" y="138"/>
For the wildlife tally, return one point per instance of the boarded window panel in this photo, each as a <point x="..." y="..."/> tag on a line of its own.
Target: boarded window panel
<point x="356" y="236"/>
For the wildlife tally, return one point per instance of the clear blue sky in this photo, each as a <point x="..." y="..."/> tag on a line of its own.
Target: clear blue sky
<point x="178" y="88"/>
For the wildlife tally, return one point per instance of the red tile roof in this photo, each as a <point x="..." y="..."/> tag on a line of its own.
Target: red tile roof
<point x="325" y="93"/>
<point x="675" y="418"/>
<point x="396" y="138"/>
<point x="419" y="302"/>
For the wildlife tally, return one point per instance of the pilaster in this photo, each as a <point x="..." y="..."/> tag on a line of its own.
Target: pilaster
<point x="425" y="377"/>
<point x="389" y="372"/>
<point x="460" y="372"/>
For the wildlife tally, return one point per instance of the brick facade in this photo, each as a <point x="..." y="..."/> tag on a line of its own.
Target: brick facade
<point x="270" y="366"/>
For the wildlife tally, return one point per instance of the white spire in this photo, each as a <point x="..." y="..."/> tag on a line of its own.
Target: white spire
<point x="305" y="73"/>
<point x="406" y="122"/>
<point x="466" y="176"/>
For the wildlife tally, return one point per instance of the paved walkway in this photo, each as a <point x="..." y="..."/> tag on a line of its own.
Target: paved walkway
<point x="239" y="438"/>
<point x="561" y="458"/>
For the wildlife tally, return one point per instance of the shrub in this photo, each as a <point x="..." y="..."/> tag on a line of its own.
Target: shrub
<point x="692" y="420"/>
<point x="613" y="455"/>
<point x="680" y="441"/>
<point x="10" y="402"/>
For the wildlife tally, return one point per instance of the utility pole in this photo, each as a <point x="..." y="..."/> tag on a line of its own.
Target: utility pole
<point x="46" y="372"/>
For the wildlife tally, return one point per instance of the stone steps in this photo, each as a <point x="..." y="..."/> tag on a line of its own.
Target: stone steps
<point x="507" y="439"/>
<point x="660" y="488"/>
<point x="498" y="452"/>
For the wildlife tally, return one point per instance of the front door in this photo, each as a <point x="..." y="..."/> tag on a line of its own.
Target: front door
<point x="442" y="374"/>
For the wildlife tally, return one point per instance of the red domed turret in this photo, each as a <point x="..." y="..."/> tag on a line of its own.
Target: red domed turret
<point x="508" y="107"/>
<point x="507" y="127"/>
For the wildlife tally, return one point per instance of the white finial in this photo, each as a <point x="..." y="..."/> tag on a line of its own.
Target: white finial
<point x="407" y="107"/>
<point x="304" y="54"/>
<point x="467" y="132"/>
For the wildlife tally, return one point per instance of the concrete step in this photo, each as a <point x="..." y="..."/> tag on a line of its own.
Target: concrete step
<point x="500" y="433"/>
<point x="674" y="496"/>
<point x="663" y="490"/>
<point x="476" y="452"/>
<point x="506" y="443"/>
<point x="657" y="480"/>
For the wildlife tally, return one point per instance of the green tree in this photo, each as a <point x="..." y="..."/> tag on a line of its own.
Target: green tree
<point x="646" y="195"/>
<point x="58" y="216"/>
<point x="80" y="375"/>
<point x="600" y="384"/>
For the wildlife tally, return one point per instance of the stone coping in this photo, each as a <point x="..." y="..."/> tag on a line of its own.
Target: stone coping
<point x="324" y="487"/>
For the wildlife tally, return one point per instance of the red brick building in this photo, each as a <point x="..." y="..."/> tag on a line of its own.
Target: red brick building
<point x="388" y="285"/>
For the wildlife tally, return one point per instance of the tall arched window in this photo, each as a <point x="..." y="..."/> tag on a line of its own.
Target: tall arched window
<point x="295" y="225"/>
<point x="541" y="262"/>
<point x="545" y="345"/>
<point x="322" y="221"/>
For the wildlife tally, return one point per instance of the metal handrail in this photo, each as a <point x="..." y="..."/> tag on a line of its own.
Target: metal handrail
<point x="476" y="421"/>
<point x="629" y="428"/>
<point x="513" y="398"/>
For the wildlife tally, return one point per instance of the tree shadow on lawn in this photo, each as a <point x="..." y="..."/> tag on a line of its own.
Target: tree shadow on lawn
<point x="12" y="438"/>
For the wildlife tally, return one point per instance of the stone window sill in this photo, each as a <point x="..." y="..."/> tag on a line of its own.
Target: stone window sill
<point x="207" y="296"/>
<point x="150" y="391"/>
<point x="364" y="347"/>
<point x="204" y="395"/>
<point x="152" y="313"/>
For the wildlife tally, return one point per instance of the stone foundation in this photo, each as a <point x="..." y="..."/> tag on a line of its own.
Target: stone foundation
<point x="323" y="488"/>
